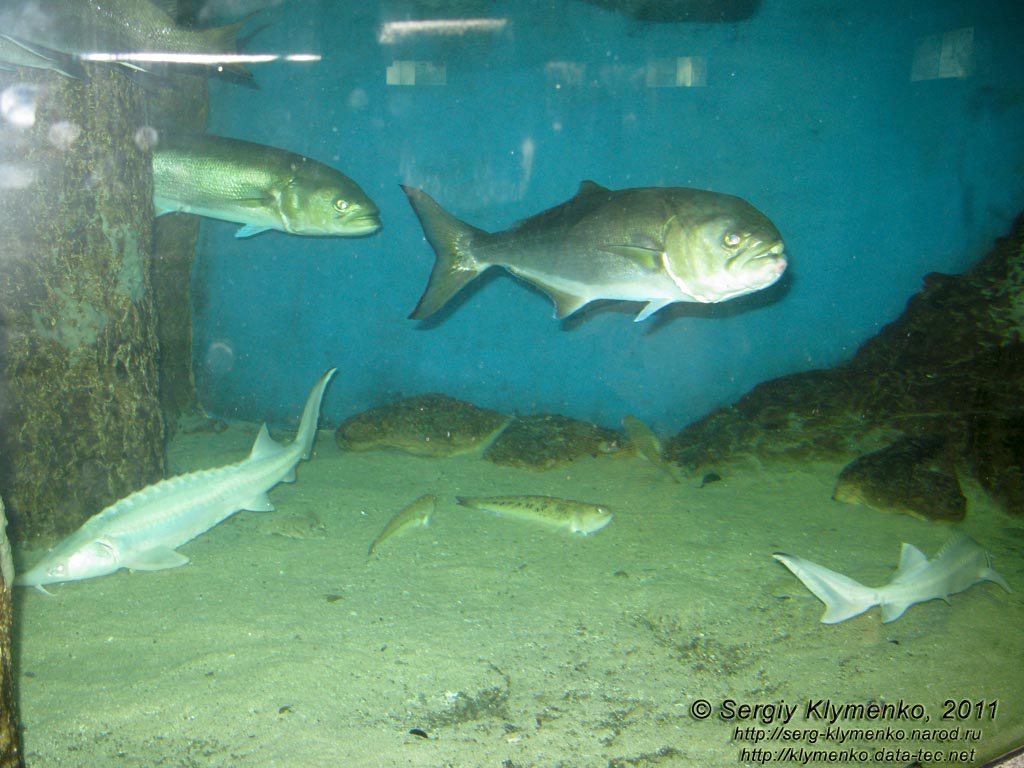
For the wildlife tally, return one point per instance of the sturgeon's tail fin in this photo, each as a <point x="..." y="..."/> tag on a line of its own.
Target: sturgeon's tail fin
<point x="452" y="241"/>
<point x="311" y="414"/>
<point x="843" y="597"/>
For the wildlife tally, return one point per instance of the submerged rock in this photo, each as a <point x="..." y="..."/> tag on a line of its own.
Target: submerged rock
<point x="915" y="477"/>
<point x="426" y="425"/>
<point x="548" y="440"/>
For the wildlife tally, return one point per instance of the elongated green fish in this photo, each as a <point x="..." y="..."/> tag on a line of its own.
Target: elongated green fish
<point x="564" y="514"/>
<point x="259" y="187"/>
<point x="416" y="514"/>
<point x="658" y="245"/>
<point x="129" y="32"/>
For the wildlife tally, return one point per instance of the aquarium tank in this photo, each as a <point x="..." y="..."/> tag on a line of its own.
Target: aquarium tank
<point x="592" y="383"/>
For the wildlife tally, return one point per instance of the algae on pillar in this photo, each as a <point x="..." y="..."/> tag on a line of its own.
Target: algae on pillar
<point x="80" y="424"/>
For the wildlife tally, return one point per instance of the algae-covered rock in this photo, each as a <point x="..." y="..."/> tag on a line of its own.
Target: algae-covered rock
<point x="431" y="425"/>
<point x="915" y="477"/>
<point x="548" y="440"/>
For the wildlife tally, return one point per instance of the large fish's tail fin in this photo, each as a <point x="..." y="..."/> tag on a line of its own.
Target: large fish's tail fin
<point x="311" y="414"/>
<point x="225" y="40"/>
<point x="843" y="597"/>
<point x="452" y="241"/>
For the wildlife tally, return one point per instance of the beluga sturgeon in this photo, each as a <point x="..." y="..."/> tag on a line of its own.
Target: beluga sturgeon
<point x="959" y="565"/>
<point x="143" y="530"/>
<point x="658" y="245"/>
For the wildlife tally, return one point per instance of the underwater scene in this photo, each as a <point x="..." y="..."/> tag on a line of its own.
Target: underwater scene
<point x="452" y="383"/>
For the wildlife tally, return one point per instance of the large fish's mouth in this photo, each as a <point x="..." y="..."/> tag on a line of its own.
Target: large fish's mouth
<point x="361" y="223"/>
<point x="763" y="256"/>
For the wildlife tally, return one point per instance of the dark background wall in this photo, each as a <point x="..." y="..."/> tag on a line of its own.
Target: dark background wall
<point x="830" y="117"/>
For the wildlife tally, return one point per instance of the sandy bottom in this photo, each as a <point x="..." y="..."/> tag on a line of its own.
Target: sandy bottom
<point x="511" y="645"/>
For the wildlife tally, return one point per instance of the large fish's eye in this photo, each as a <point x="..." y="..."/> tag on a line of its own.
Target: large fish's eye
<point x="57" y="570"/>
<point x="732" y="239"/>
<point x="341" y="205"/>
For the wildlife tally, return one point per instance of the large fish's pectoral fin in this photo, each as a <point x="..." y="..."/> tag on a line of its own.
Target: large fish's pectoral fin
<point x="650" y="309"/>
<point x="153" y="559"/>
<point x="650" y="259"/>
<point x="250" y="229"/>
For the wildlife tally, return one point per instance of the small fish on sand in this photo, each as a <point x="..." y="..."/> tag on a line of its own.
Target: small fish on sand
<point x="414" y="515"/>
<point x="646" y="443"/>
<point x="562" y="514"/>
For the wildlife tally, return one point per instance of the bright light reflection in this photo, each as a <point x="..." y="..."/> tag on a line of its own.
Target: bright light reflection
<point x="199" y="58"/>
<point x="393" y="31"/>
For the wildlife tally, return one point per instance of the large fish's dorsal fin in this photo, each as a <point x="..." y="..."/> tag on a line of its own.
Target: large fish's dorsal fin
<point x="264" y="444"/>
<point x="912" y="560"/>
<point x="589" y="187"/>
<point x="170" y="7"/>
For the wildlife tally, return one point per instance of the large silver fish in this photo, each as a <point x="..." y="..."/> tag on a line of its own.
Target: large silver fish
<point x="658" y="245"/>
<point x="259" y="187"/>
<point x="129" y="32"/>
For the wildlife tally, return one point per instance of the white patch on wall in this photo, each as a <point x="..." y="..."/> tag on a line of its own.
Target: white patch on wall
<point x="409" y="72"/>
<point x="680" y="72"/>
<point x="948" y="55"/>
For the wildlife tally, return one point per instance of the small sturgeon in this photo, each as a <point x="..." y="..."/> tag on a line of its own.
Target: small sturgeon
<point x="143" y="530"/>
<point x="415" y="514"/>
<point x="959" y="565"/>
<point x="563" y="514"/>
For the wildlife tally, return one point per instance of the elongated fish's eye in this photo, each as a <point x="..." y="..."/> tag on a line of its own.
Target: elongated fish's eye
<point x="341" y="205"/>
<point x="732" y="239"/>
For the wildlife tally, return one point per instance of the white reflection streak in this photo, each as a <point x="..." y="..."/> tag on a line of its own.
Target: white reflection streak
<point x="199" y="58"/>
<point x="393" y="31"/>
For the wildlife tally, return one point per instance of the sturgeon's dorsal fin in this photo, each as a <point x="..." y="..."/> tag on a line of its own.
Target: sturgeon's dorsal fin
<point x="264" y="445"/>
<point x="912" y="560"/>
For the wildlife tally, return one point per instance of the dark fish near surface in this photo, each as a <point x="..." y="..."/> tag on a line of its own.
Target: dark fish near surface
<point x="130" y="32"/>
<point x="658" y="245"/>
<point x="259" y="187"/>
